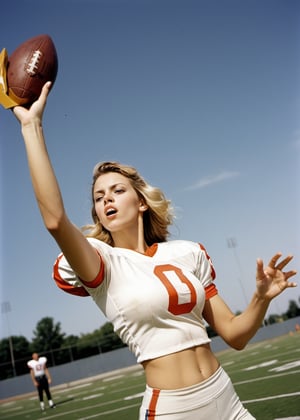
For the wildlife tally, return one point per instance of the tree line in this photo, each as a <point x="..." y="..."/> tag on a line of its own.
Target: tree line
<point x="49" y="340"/>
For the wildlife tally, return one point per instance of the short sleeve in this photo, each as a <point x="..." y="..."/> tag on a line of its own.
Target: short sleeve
<point x="207" y="273"/>
<point x="68" y="281"/>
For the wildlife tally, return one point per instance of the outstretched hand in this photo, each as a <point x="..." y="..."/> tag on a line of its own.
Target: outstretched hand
<point x="36" y="110"/>
<point x="272" y="280"/>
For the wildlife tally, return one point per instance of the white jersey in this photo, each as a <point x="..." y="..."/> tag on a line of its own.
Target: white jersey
<point x="154" y="300"/>
<point x="38" y="366"/>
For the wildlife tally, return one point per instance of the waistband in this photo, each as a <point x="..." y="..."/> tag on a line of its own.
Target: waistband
<point x="192" y="396"/>
<point x="38" y="378"/>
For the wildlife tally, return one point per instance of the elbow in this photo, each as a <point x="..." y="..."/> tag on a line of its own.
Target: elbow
<point x="55" y="224"/>
<point x="52" y="228"/>
<point x="237" y="344"/>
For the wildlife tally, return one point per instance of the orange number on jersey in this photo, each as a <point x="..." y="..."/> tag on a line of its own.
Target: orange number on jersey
<point x="175" y="307"/>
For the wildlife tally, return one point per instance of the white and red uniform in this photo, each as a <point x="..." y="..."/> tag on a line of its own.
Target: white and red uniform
<point x="154" y="300"/>
<point x="38" y="366"/>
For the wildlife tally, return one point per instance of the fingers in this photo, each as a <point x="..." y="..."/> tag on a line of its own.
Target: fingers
<point x="36" y="108"/>
<point x="290" y="274"/>
<point x="259" y="263"/>
<point x="259" y="268"/>
<point x="45" y="90"/>
<point x="282" y="264"/>
<point x="275" y="265"/>
<point x="274" y="260"/>
<point x="41" y="101"/>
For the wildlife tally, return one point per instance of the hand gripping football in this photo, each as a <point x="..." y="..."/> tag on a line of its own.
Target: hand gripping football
<point x="23" y="74"/>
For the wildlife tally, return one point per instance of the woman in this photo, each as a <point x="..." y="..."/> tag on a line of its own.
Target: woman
<point x="156" y="293"/>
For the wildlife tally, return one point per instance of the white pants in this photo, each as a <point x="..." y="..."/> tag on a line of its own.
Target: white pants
<point x="212" y="399"/>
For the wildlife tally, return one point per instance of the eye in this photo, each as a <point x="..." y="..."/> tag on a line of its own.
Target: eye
<point x="98" y="199"/>
<point x="119" y="190"/>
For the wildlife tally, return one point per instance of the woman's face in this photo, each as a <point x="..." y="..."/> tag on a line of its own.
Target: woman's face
<point x="117" y="204"/>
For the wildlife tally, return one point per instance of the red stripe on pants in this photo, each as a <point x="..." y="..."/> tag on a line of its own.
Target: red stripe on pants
<point x="152" y="405"/>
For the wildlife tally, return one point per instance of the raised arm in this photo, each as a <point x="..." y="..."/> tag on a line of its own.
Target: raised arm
<point x="80" y="254"/>
<point x="237" y="330"/>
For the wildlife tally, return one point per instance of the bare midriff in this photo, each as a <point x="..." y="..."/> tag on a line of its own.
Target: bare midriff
<point x="182" y="369"/>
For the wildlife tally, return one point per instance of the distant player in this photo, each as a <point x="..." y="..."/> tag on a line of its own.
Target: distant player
<point x="157" y="293"/>
<point x="41" y="378"/>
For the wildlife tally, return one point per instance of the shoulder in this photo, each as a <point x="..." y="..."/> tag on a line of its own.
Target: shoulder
<point x="31" y="363"/>
<point x="43" y="360"/>
<point x="192" y="253"/>
<point x="188" y="246"/>
<point x="62" y="265"/>
<point x="100" y="245"/>
<point x="182" y="246"/>
<point x="67" y="280"/>
<point x="181" y="250"/>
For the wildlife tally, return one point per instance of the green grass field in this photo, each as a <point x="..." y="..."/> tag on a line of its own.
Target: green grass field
<point x="266" y="376"/>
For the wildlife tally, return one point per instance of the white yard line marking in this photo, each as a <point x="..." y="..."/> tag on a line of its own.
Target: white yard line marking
<point x="293" y="394"/>
<point x="289" y="418"/>
<point x="266" y="377"/>
<point x="109" y="412"/>
<point x="131" y="397"/>
<point x="92" y="396"/>
<point x="112" y="378"/>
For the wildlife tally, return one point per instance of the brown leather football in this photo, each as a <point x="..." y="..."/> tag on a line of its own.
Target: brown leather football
<point x="30" y="66"/>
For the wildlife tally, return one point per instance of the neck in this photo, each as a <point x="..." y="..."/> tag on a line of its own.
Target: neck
<point x="133" y="239"/>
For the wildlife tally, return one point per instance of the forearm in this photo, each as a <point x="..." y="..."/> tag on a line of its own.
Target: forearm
<point x="80" y="254"/>
<point x="44" y="182"/>
<point x="237" y="330"/>
<point x="47" y="373"/>
<point x="32" y="377"/>
<point x="245" y="325"/>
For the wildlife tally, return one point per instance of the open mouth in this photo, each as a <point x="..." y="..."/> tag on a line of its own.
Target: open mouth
<point x="110" y="212"/>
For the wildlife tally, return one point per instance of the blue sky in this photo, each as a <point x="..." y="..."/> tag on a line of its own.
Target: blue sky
<point x="201" y="96"/>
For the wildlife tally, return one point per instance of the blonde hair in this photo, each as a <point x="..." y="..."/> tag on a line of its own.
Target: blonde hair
<point x="157" y="217"/>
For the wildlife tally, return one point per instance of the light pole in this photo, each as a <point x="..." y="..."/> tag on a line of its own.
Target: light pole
<point x="5" y="308"/>
<point x="231" y="242"/>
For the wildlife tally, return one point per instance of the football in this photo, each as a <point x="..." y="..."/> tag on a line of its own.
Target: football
<point x="29" y="67"/>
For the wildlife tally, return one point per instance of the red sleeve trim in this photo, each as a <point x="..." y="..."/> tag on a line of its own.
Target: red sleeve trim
<point x="210" y="291"/>
<point x="65" y="286"/>
<point x="213" y="273"/>
<point x="99" y="279"/>
<point x="76" y="290"/>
